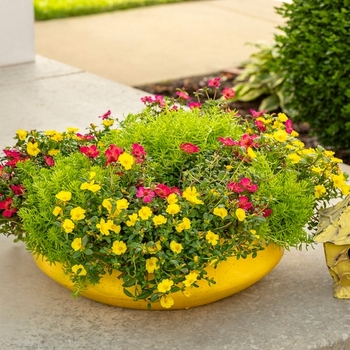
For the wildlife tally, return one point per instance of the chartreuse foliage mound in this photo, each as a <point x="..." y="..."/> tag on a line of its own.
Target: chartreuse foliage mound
<point x="50" y="9"/>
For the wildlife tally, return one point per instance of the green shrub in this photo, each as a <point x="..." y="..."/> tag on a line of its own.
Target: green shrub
<point x="314" y="51"/>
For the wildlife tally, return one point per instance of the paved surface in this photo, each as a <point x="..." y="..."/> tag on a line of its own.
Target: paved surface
<point x="290" y="309"/>
<point x="162" y="42"/>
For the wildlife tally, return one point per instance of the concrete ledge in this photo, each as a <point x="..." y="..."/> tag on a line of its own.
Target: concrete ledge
<point x="290" y="309"/>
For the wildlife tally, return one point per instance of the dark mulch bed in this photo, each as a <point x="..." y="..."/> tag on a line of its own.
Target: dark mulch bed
<point x="192" y="84"/>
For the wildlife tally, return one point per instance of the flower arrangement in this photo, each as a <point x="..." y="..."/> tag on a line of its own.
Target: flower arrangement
<point x="165" y="193"/>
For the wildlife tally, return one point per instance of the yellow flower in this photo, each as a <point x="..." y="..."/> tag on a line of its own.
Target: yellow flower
<point x="79" y="270"/>
<point x="77" y="213"/>
<point x="345" y="189"/>
<point x="336" y="160"/>
<point x="176" y="247"/>
<point x="71" y="129"/>
<point x="57" y="210"/>
<point x="328" y="153"/>
<point x="22" y="134"/>
<point x="338" y="180"/>
<point x="64" y="196"/>
<point x="191" y="194"/>
<point x="165" y="285"/>
<point x="159" y="220"/>
<point x="91" y="186"/>
<point x="33" y="149"/>
<point x="53" y="152"/>
<point x="115" y="228"/>
<point x="108" y="122"/>
<point x="294" y="158"/>
<point x="166" y="301"/>
<point x="119" y="247"/>
<point x="190" y="279"/>
<point x="107" y="203"/>
<point x="50" y="132"/>
<point x="251" y="154"/>
<point x="294" y="133"/>
<point x="222" y="212"/>
<point x="173" y="209"/>
<point x="92" y="175"/>
<point x="145" y="213"/>
<point x="57" y="137"/>
<point x="151" y="265"/>
<point x="240" y="213"/>
<point x="126" y="160"/>
<point x="132" y="220"/>
<point x="253" y="232"/>
<point x="282" y="117"/>
<point x="228" y="167"/>
<point x="172" y="198"/>
<point x="68" y="225"/>
<point x="184" y="225"/>
<point x="156" y="248"/>
<point x="319" y="191"/>
<point x="317" y="170"/>
<point x="77" y="244"/>
<point x="122" y="204"/>
<point x="298" y="144"/>
<point x="212" y="237"/>
<point x="280" y="135"/>
<point x="104" y="226"/>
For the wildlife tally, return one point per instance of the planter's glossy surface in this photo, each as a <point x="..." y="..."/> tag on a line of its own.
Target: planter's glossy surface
<point x="231" y="276"/>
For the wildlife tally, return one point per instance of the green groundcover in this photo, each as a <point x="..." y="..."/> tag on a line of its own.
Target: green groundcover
<point x="50" y="9"/>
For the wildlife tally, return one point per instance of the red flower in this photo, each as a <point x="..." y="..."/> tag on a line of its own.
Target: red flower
<point x="113" y="153"/>
<point x="266" y="212"/>
<point x="244" y="184"/>
<point x="214" y="82"/>
<point x="91" y="152"/>
<point x="85" y="137"/>
<point x="189" y="148"/>
<point x="235" y="187"/>
<point x="247" y="141"/>
<point x="228" y="93"/>
<point x="227" y="141"/>
<point x="162" y="191"/>
<point x="256" y="114"/>
<point x="183" y="95"/>
<point x="18" y="190"/>
<point x="193" y="105"/>
<point x="243" y="202"/>
<point x="260" y="125"/>
<point x="146" y="193"/>
<point x="139" y="152"/>
<point x="6" y="206"/>
<point x="49" y="161"/>
<point x="289" y="126"/>
<point x="106" y="115"/>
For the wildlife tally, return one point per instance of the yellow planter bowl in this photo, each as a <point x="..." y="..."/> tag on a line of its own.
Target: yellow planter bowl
<point x="231" y="276"/>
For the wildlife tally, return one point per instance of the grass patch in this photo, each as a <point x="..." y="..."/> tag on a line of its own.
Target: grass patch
<point x="50" y="9"/>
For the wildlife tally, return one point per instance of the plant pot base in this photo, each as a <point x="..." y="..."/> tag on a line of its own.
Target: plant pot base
<point x="231" y="277"/>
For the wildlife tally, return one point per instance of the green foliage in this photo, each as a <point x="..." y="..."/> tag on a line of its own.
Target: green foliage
<point x="314" y="52"/>
<point x="50" y="9"/>
<point x="262" y="77"/>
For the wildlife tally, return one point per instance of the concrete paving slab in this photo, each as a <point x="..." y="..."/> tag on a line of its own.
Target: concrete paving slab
<point x="158" y="43"/>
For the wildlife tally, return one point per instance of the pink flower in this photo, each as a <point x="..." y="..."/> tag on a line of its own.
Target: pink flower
<point x="18" y="190"/>
<point x="147" y="99"/>
<point x="235" y="187"/>
<point x="146" y="193"/>
<point x="193" y="105"/>
<point x="289" y="126"/>
<point x="6" y="206"/>
<point x="243" y="202"/>
<point x="248" y="141"/>
<point x="85" y="137"/>
<point x="160" y="100"/>
<point x="139" y="152"/>
<point x="214" y="82"/>
<point x="228" y="93"/>
<point x="189" y="148"/>
<point x="260" y="125"/>
<point x="256" y="114"/>
<point x="91" y="152"/>
<point x="227" y="141"/>
<point x="49" y="161"/>
<point x="183" y="95"/>
<point x="244" y="184"/>
<point x="106" y="115"/>
<point x="112" y="153"/>
<point x="174" y="108"/>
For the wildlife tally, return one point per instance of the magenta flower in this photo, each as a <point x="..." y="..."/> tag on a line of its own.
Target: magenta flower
<point x="214" y="82"/>
<point x="227" y="141"/>
<point x="248" y="141"/>
<point x="106" y="115"/>
<point x="112" y="153"/>
<point x="243" y="202"/>
<point x="160" y="100"/>
<point x="183" y="95"/>
<point x="162" y="191"/>
<point x="289" y="126"/>
<point x="90" y="151"/>
<point x="244" y="184"/>
<point x="147" y="99"/>
<point x="256" y="114"/>
<point x="18" y="190"/>
<point x="49" y="161"/>
<point x="189" y="148"/>
<point x="235" y="187"/>
<point x="193" y="105"/>
<point x="260" y="125"/>
<point x="146" y="193"/>
<point x="138" y="152"/>
<point x="228" y="93"/>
